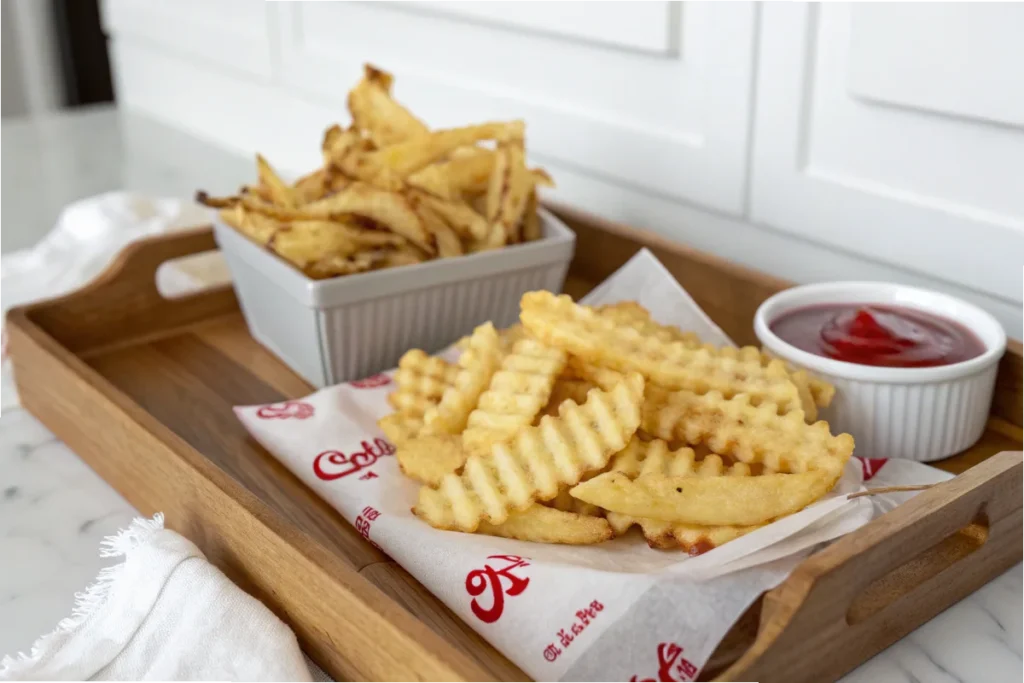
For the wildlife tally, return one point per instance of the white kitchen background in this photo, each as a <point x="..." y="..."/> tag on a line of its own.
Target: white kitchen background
<point x="812" y="141"/>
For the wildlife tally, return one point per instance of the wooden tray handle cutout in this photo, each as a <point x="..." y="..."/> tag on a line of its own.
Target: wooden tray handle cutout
<point x="888" y="588"/>
<point x="878" y="583"/>
<point x="125" y="296"/>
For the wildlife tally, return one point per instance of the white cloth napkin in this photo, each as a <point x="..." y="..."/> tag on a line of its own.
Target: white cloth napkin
<point x="165" y="613"/>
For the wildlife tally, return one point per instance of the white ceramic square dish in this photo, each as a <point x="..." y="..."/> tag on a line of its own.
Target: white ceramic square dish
<point x="344" y="328"/>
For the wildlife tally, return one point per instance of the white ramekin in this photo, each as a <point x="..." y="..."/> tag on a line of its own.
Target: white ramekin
<point x="915" y="413"/>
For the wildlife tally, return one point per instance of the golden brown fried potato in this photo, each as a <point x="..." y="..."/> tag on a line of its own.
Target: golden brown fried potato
<point x="233" y="216"/>
<point x="359" y="199"/>
<point x="311" y="187"/>
<point x="448" y="243"/>
<point x="334" y="266"/>
<point x="468" y="172"/>
<point x="537" y="462"/>
<point x="515" y="195"/>
<point x="387" y="164"/>
<point x="260" y="229"/>
<point x="428" y="458"/>
<point x="466" y="222"/>
<point x="708" y="501"/>
<point x="277" y="189"/>
<point x="542" y="524"/>
<point x="389" y="174"/>
<point x="373" y="110"/>
<point x="307" y="242"/>
<point x="531" y="219"/>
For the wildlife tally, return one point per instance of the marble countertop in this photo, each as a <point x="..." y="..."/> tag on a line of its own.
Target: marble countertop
<point x="54" y="510"/>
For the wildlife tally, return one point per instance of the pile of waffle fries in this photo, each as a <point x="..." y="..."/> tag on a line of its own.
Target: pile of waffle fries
<point x="580" y="423"/>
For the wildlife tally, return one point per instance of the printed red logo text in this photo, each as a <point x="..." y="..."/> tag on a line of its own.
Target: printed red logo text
<point x="371" y="382"/>
<point x="870" y="466"/>
<point x="331" y="465"/>
<point x="286" y="410"/>
<point x="672" y="666"/>
<point x="500" y="581"/>
<point x="567" y="635"/>
<point x="363" y="522"/>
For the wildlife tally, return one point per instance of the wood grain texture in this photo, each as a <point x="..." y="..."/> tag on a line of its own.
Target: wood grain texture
<point x="109" y="310"/>
<point x="867" y="589"/>
<point x="142" y="388"/>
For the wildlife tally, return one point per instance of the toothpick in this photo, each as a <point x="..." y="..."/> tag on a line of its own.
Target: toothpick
<point x="889" y="489"/>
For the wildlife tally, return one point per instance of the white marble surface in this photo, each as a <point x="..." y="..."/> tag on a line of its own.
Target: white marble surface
<point x="54" y="510"/>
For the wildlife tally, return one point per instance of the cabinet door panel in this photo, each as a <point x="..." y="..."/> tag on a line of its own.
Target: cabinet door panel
<point x="883" y="155"/>
<point x="232" y="33"/>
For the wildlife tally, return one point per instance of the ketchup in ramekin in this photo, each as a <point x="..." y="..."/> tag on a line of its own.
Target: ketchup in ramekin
<point x="878" y="335"/>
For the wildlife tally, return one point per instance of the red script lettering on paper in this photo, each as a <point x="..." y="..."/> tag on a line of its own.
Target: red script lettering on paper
<point x="870" y="466"/>
<point x="500" y="581"/>
<point x="371" y="382"/>
<point x="672" y="666"/>
<point x="567" y="635"/>
<point x="283" y="411"/>
<point x="326" y="465"/>
<point x="363" y="522"/>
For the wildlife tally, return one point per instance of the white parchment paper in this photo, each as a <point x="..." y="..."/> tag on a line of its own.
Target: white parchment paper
<point x="615" y="611"/>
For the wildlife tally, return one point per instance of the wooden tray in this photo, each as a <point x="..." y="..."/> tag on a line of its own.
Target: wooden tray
<point x="142" y="388"/>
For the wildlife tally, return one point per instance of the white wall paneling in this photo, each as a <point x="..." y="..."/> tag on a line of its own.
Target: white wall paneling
<point x="962" y="60"/>
<point x="242" y="114"/>
<point x="655" y="97"/>
<point x="231" y="33"/>
<point x="646" y="26"/>
<point x="880" y="154"/>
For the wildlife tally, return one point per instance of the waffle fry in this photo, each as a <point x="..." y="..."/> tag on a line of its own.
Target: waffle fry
<point x="400" y="427"/>
<point x="579" y="423"/>
<point x="508" y="336"/>
<point x="642" y="458"/>
<point x="558" y="321"/>
<point x="632" y="314"/>
<point x="543" y="524"/>
<point x="425" y="376"/>
<point x="517" y="393"/>
<point x="422" y="381"/>
<point x="566" y="503"/>
<point x="574" y="390"/>
<point x="692" y="539"/>
<point x="477" y="365"/>
<point x="427" y="459"/>
<point x="814" y="393"/>
<point x="705" y="500"/>
<point x="537" y="462"/>
<point x="748" y="433"/>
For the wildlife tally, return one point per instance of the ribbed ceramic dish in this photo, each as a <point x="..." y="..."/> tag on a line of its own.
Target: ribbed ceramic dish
<point x="331" y="331"/>
<point x="920" y="414"/>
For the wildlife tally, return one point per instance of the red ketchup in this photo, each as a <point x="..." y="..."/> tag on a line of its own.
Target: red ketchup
<point x="871" y="334"/>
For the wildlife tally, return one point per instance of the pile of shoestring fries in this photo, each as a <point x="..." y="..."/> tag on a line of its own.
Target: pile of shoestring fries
<point x="392" y="192"/>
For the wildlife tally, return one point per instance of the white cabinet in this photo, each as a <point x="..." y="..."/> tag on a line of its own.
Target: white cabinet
<point x="225" y="33"/>
<point x="896" y="131"/>
<point x="652" y="95"/>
